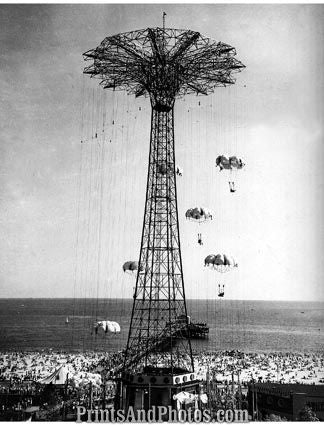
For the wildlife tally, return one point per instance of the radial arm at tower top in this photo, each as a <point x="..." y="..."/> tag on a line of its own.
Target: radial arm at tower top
<point x="163" y="64"/>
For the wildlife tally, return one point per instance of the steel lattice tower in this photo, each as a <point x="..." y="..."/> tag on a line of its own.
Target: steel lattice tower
<point x="163" y="64"/>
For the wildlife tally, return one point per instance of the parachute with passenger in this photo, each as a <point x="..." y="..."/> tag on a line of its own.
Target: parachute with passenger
<point x="199" y="215"/>
<point x="222" y="263"/>
<point x="233" y="164"/>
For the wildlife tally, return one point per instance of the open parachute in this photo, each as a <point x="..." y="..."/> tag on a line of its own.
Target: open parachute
<point x="220" y="262"/>
<point x="230" y="163"/>
<point x="199" y="214"/>
<point x="131" y="266"/>
<point x="107" y="325"/>
<point x="233" y="164"/>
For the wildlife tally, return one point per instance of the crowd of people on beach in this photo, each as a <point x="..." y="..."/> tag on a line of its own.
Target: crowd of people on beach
<point x="37" y="366"/>
<point x="306" y="368"/>
<point x="80" y="379"/>
<point x="285" y="368"/>
<point x="89" y="377"/>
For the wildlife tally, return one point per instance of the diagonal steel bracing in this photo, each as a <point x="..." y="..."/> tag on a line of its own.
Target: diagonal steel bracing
<point x="159" y="297"/>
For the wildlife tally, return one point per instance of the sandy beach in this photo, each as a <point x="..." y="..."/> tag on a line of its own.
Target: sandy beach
<point x="305" y="368"/>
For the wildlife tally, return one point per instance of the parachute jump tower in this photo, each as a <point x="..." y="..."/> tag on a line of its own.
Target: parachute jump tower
<point x="162" y="64"/>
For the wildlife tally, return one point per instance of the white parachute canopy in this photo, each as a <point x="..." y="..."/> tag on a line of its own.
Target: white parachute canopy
<point x="199" y="214"/>
<point x="220" y="262"/>
<point x="107" y="325"/>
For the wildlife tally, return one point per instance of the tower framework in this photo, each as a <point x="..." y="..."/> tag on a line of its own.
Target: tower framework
<point x="162" y="64"/>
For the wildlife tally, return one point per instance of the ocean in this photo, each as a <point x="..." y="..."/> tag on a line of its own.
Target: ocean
<point x="251" y="326"/>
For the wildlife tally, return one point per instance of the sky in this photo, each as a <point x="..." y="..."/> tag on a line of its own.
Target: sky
<point x="71" y="212"/>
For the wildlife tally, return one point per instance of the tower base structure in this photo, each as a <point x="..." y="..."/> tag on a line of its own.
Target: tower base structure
<point x="154" y="392"/>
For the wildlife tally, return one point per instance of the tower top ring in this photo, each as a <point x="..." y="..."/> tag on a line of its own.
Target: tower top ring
<point x="162" y="63"/>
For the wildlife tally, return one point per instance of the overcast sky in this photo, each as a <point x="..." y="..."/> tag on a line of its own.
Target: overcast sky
<point x="58" y="238"/>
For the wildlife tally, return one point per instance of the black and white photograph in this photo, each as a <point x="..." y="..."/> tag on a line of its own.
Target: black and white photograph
<point x="161" y="198"/>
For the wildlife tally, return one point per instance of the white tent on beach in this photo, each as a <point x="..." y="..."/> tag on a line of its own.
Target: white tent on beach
<point x="58" y="377"/>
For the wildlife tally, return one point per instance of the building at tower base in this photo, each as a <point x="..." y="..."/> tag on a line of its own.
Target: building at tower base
<point x="157" y="387"/>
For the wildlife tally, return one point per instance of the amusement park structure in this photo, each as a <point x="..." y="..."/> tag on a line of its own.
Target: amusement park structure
<point x="162" y="64"/>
